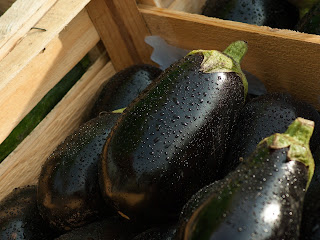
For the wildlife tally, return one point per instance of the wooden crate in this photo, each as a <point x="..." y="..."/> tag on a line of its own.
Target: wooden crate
<point x="41" y="40"/>
<point x="189" y="6"/>
<point x="157" y="3"/>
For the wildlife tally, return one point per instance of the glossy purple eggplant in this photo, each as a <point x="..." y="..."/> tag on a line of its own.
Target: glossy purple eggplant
<point x="171" y="140"/>
<point x="112" y="228"/>
<point x="123" y="87"/>
<point x="20" y="219"/>
<point x="165" y="232"/>
<point x="68" y="190"/>
<point x="272" y="13"/>
<point x="310" y="222"/>
<point x="263" y="116"/>
<point x="262" y="199"/>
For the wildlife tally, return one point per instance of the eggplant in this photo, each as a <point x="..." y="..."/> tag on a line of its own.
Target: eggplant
<point x="263" y="116"/>
<point x="171" y="140"/>
<point x="310" y="22"/>
<point x="19" y="216"/>
<point x="112" y="228"/>
<point x="123" y="87"/>
<point x="68" y="189"/>
<point x="165" y="232"/>
<point x="262" y="199"/>
<point x="272" y="13"/>
<point x="310" y="223"/>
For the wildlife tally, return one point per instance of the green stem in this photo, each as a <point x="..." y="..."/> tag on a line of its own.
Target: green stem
<point x="301" y="130"/>
<point x="236" y="50"/>
<point x="297" y="138"/>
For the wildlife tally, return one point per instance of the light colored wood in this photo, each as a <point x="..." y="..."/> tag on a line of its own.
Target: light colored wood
<point x="45" y="70"/>
<point x="189" y="6"/>
<point x="165" y="3"/>
<point x="149" y="2"/>
<point x="56" y="19"/>
<point x="284" y="60"/>
<point x="24" y="164"/>
<point x="18" y="20"/>
<point x="5" y="5"/>
<point x="122" y="31"/>
<point x="24" y="90"/>
<point x="157" y="3"/>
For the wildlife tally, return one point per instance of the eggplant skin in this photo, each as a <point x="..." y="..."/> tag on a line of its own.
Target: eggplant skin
<point x="123" y="87"/>
<point x="310" y="221"/>
<point x="170" y="141"/>
<point x="264" y="116"/>
<point x="112" y="228"/>
<point x="165" y="232"/>
<point x="68" y="189"/>
<point x="259" y="200"/>
<point x="272" y="13"/>
<point x="19" y="216"/>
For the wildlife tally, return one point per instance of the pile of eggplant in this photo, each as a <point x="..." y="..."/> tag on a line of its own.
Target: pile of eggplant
<point x="282" y="14"/>
<point x="298" y="15"/>
<point x="185" y="153"/>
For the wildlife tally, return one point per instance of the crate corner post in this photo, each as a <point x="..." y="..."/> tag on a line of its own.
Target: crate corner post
<point x="122" y="30"/>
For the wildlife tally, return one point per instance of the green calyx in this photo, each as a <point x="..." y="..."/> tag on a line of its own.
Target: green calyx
<point x="119" y="110"/>
<point x="226" y="61"/>
<point x="297" y="138"/>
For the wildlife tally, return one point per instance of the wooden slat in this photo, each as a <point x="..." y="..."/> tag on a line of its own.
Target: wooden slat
<point x="156" y="3"/>
<point x="19" y="95"/>
<point x="23" y="165"/>
<point x="284" y="60"/>
<point x="56" y="19"/>
<point x="149" y="2"/>
<point x="122" y="31"/>
<point x="18" y="20"/>
<point x="189" y="6"/>
<point x="96" y="52"/>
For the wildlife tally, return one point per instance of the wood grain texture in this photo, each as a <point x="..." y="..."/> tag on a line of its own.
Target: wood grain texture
<point x="156" y="3"/>
<point x="28" y="87"/>
<point x="18" y="20"/>
<point x="24" y="164"/>
<point x="284" y="60"/>
<point x="189" y="6"/>
<point x="149" y="2"/>
<point x="56" y="19"/>
<point x="122" y="30"/>
<point x="96" y="51"/>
